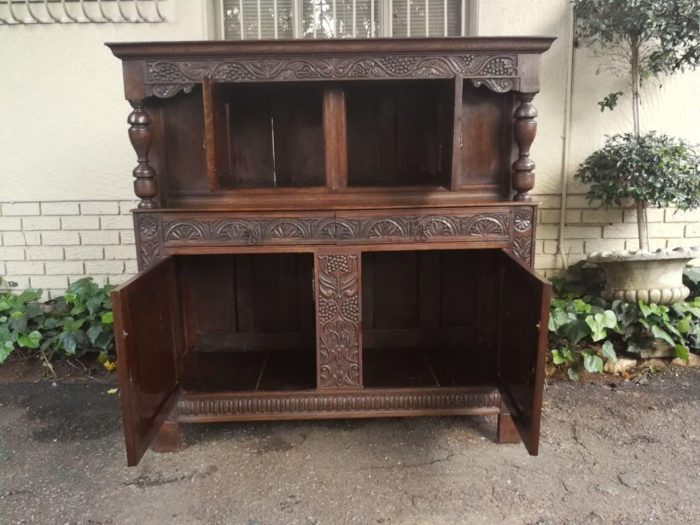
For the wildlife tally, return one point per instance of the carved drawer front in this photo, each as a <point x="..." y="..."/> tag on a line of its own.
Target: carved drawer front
<point x="249" y="229"/>
<point x="162" y="233"/>
<point x="422" y="226"/>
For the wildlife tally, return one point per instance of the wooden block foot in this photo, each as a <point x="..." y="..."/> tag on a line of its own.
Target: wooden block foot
<point x="507" y="431"/>
<point x="168" y="438"/>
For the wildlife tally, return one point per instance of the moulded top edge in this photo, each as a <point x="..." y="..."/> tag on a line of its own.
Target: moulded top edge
<point x="218" y="48"/>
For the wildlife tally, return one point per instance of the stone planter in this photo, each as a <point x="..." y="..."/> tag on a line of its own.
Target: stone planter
<point x="652" y="277"/>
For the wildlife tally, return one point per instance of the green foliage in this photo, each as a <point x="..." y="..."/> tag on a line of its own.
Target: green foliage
<point x="610" y="101"/>
<point x="660" y="36"/>
<point x="77" y="322"/>
<point x="585" y="331"/>
<point x="652" y="169"/>
<point x="575" y="328"/>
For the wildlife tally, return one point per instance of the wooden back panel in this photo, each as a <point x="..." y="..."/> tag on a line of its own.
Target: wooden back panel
<point x="485" y="138"/>
<point x="418" y="299"/>
<point x="182" y="158"/>
<point x="399" y="134"/>
<point x="248" y="302"/>
<point x="264" y="136"/>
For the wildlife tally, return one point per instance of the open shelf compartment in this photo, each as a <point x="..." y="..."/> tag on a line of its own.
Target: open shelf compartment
<point x="399" y="133"/>
<point x="249" y="322"/>
<point x="264" y="136"/>
<point x="428" y="318"/>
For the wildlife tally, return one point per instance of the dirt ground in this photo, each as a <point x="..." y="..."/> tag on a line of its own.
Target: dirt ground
<point x="616" y="455"/>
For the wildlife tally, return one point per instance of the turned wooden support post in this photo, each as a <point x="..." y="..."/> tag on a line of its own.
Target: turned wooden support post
<point x="141" y="135"/>
<point x="524" y="130"/>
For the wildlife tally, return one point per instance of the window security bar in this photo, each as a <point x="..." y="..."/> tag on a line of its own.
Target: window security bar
<point x="27" y="12"/>
<point x="316" y="19"/>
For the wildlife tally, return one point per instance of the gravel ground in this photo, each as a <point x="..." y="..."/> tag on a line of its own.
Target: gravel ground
<point x="626" y="454"/>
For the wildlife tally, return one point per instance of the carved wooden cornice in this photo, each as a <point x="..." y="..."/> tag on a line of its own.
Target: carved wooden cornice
<point x="164" y="69"/>
<point x="165" y="78"/>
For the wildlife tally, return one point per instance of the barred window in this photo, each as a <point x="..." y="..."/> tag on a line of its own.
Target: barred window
<point x="287" y="19"/>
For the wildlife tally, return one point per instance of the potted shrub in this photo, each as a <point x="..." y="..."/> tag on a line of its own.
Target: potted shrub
<point x="651" y="170"/>
<point x="642" y="39"/>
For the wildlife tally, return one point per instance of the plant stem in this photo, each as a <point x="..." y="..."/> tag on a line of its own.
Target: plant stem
<point x="635" y="73"/>
<point x="642" y="226"/>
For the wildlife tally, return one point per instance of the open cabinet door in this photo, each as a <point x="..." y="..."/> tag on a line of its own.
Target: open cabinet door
<point x="147" y="338"/>
<point x="521" y="345"/>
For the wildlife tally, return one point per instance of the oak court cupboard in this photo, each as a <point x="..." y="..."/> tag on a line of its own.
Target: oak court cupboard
<point x="331" y="229"/>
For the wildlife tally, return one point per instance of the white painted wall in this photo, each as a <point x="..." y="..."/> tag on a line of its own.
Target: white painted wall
<point x="63" y="132"/>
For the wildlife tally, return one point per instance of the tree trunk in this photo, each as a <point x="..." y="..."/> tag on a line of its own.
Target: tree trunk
<point x="642" y="226"/>
<point x="636" y="78"/>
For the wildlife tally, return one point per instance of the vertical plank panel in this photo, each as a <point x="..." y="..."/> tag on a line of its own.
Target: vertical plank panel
<point x="335" y="137"/>
<point x="457" y="138"/>
<point x="209" y="132"/>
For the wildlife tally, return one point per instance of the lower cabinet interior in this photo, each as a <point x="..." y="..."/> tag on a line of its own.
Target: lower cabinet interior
<point x="427" y="318"/>
<point x="249" y="320"/>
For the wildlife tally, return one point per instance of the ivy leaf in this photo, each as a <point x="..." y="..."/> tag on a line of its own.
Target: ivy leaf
<point x="597" y="325"/>
<point x="608" y="351"/>
<point x="93" y="332"/>
<point x="103" y="341"/>
<point x="72" y="325"/>
<point x="683" y="326"/>
<point x="107" y="318"/>
<point x="5" y="350"/>
<point x="69" y="342"/>
<point x="646" y="309"/>
<point x="682" y="352"/>
<point x="662" y="334"/>
<point x="609" y="319"/>
<point x="592" y="363"/>
<point x="30" y="340"/>
<point x="581" y="307"/>
<point x="51" y="322"/>
<point x="576" y="331"/>
<point x="573" y="375"/>
<point x="557" y="358"/>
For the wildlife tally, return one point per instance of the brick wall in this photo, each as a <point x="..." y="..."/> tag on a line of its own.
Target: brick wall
<point x="48" y="245"/>
<point x="593" y="229"/>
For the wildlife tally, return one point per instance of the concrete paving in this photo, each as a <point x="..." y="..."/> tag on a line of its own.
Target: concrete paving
<point x="624" y="455"/>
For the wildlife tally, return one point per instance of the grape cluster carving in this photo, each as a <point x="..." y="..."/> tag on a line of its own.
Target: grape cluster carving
<point x="339" y="320"/>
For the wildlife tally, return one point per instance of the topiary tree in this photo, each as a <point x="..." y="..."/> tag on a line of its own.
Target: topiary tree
<point x="652" y="169"/>
<point x="646" y="38"/>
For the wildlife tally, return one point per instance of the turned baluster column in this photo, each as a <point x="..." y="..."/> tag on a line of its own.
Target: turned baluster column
<point x="141" y="136"/>
<point x="524" y="130"/>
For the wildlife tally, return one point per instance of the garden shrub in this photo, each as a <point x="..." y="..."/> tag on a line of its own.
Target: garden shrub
<point x="71" y="325"/>
<point x="586" y="331"/>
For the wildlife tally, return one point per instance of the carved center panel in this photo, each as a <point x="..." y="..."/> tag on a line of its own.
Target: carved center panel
<point x="338" y="299"/>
